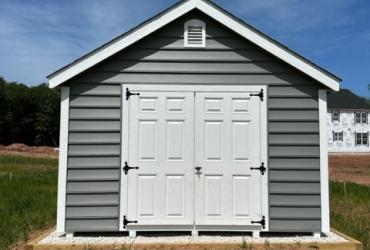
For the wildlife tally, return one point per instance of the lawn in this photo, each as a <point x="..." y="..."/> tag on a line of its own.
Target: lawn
<point x="27" y="197"/>
<point x="28" y="201"/>
<point x="350" y="210"/>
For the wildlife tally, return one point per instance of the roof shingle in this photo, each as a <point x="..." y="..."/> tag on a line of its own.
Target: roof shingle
<point x="345" y="99"/>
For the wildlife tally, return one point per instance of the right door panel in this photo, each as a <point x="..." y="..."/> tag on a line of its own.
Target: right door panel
<point x="227" y="145"/>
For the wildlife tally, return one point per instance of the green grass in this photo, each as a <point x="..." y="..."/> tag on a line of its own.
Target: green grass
<point x="27" y="197"/>
<point x="350" y="210"/>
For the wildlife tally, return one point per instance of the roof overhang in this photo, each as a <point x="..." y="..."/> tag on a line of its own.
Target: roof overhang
<point x="233" y="23"/>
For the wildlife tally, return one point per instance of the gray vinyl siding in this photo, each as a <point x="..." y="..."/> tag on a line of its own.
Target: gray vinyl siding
<point x="94" y="132"/>
<point x="93" y="174"/>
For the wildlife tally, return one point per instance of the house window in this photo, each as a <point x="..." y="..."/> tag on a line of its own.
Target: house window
<point x="195" y="33"/>
<point x="335" y="116"/>
<point x="362" y="139"/>
<point x="337" y="136"/>
<point x="364" y="117"/>
<point x="361" y="117"/>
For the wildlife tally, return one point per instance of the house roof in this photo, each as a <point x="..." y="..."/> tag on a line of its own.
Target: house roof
<point x="144" y="29"/>
<point x="345" y="99"/>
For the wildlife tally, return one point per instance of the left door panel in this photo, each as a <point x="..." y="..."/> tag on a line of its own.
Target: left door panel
<point x="160" y="143"/>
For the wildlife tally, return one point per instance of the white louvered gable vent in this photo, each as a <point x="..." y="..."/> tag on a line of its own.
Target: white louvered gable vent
<point x="195" y="33"/>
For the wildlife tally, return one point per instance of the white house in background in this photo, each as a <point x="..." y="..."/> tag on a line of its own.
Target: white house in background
<point x="348" y="122"/>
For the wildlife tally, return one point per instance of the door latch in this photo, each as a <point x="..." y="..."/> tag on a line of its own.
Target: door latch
<point x="197" y="171"/>
<point x="129" y="93"/>
<point x="125" y="221"/>
<point x="260" y="95"/>
<point x="262" y="168"/>
<point x="262" y="222"/>
<point x="126" y="168"/>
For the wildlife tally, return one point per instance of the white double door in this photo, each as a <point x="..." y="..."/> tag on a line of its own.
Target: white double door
<point x="194" y="152"/>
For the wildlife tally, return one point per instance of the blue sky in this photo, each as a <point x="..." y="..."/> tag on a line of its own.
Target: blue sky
<point x="40" y="36"/>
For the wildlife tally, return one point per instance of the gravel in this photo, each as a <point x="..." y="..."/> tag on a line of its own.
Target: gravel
<point x="54" y="238"/>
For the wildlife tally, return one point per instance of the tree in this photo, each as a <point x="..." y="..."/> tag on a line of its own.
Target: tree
<point x="28" y="115"/>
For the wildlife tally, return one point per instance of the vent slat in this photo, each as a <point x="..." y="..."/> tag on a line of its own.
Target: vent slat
<point x="195" y="35"/>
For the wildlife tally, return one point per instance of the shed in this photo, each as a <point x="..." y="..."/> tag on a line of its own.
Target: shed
<point x="193" y="121"/>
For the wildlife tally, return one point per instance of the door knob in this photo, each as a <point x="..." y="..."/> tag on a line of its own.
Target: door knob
<point x="197" y="171"/>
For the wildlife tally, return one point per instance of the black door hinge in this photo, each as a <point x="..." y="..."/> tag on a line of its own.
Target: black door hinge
<point x="260" y="94"/>
<point x="125" y="221"/>
<point x="129" y="93"/>
<point x="262" y="168"/>
<point x="126" y="168"/>
<point x="262" y="222"/>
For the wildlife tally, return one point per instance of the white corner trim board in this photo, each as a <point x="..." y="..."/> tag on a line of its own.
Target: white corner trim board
<point x="62" y="166"/>
<point x="324" y="171"/>
<point x="208" y="8"/>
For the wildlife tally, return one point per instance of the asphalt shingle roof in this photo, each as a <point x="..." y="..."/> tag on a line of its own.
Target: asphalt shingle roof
<point x="345" y="99"/>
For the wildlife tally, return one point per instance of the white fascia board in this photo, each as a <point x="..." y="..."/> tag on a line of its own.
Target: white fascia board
<point x="213" y="12"/>
<point x="324" y="168"/>
<point x="269" y="46"/>
<point x="120" y="44"/>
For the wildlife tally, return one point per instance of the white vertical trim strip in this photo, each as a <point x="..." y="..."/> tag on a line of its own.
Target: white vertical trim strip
<point x="124" y="156"/>
<point x="324" y="168"/>
<point x="62" y="166"/>
<point x="264" y="158"/>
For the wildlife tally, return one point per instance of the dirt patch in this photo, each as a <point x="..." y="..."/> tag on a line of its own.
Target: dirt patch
<point x="350" y="167"/>
<point x="24" y="150"/>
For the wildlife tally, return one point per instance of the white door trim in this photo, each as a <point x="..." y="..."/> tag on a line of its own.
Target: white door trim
<point x="197" y="88"/>
<point x="124" y="156"/>
<point x="193" y="87"/>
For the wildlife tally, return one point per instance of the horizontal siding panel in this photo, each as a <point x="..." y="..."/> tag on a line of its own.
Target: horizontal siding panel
<point x="293" y="91"/>
<point x="94" y="125"/>
<point x="93" y="187"/>
<point x="194" y="55"/>
<point x="93" y="162"/>
<point x="93" y="149"/>
<point x="194" y="67"/>
<point x="295" y="188"/>
<point x="293" y="115"/>
<point x="95" y="89"/>
<point x="294" y="175"/>
<point x="80" y="212"/>
<point x="294" y="127"/>
<point x="177" y="31"/>
<point x="92" y="225"/>
<point x="178" y="43"/>
<point x="294" y="139"/>
<point x="92" y="199"/>
<point x="95" y="137"/>
<point x="88" y="174"/>
<point x="295" y="200"/>
<point x="293" y="103"/>
<point x="190" y="78"/>
<point x="291" y="163"/>
<point x="94" y="113"/>
<point x="294" y="151"/>
<point x="295" y="225"/>
<point x="295" y="212"/>
<point x="95" y="101"/>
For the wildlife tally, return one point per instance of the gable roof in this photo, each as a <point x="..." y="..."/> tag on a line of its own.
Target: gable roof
<point x="121" y="42"/>
<point x="345" y="99"/>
